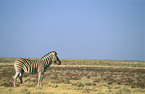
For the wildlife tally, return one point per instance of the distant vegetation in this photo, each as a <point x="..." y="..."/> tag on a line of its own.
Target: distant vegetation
<point x="88" y="62"/>
<point x="76" y="76"/>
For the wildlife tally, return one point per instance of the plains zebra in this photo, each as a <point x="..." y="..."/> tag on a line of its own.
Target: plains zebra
<point x="35" y="66"/>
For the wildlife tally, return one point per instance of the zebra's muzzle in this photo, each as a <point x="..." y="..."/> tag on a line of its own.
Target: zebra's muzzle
<point x="58" y="62"/>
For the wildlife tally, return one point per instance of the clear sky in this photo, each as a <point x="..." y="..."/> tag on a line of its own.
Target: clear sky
<point x="75" y="29"/>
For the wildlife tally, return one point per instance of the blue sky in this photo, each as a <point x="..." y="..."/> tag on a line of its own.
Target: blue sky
<point x="76" y="29"/>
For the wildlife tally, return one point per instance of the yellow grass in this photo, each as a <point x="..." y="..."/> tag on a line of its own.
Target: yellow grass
<point x="56" y="82"/>
<point x="102" y="88"/>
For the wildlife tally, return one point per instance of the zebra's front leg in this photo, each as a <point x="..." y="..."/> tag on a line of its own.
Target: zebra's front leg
<point x="40" y="78"/>
<point x="15" y="77"/>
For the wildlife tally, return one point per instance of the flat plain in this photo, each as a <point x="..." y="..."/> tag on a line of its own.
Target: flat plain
<point x="77" y="76"/>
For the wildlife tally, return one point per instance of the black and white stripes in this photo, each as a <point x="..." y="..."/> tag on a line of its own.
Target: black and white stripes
<point x="35" y="66"/>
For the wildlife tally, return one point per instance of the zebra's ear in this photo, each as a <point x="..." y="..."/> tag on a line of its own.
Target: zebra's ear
<point x="55" y="53"/>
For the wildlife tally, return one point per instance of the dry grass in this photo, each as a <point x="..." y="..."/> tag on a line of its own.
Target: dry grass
<point x="78" y="79"/>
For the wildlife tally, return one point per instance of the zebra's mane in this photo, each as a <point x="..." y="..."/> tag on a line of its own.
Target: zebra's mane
<point x="48" y="54"/>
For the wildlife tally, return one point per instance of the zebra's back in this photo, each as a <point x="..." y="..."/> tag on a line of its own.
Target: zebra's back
<point x="27" y="65"/>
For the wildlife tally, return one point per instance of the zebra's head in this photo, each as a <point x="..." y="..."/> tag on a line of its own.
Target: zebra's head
<point x="53" y="56"/>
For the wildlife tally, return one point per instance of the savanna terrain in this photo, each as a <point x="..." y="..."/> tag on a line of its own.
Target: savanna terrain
<point x="76" y="76"/>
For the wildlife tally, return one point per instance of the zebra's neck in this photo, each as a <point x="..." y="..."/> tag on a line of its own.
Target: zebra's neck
<point x="47" y="62"/>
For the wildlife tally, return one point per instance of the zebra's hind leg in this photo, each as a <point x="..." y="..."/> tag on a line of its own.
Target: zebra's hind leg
<point x="20" y="77"/>
<point x="15" y="77"/>
<point x="39" y="78"/>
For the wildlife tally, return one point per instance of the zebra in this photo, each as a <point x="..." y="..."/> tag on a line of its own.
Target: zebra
<point x="35" y="66"/>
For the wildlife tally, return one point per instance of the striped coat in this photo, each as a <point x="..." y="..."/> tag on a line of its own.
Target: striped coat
<point x="34" y="66"/>
<point x="30" y="66"/>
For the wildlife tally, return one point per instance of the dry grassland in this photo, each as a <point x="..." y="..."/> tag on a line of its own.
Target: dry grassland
<point x="78" y="77"/>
